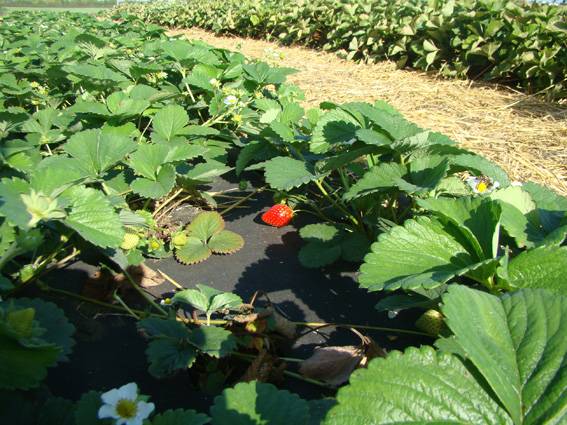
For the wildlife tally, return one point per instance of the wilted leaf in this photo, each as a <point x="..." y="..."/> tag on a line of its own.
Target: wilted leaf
<point x="332" y="365"/>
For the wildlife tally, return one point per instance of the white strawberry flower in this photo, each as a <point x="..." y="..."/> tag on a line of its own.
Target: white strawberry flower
<point x="482" y="184"/>
<point x="230" y="100"/>
<point x="123" y="405"/>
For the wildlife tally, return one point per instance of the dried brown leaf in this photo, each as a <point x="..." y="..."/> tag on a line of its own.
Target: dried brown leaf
<point x="332" y="365"/>
<point x="371" y="351"/>
<point x="145" y="276"/>
<point x="282" y="325"/>
<point x="245" y="318"/>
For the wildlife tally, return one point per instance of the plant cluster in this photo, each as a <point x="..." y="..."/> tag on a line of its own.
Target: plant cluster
<point x="58" y="3"/>
<point x="501" y="362"/>
<point x="105" y="127"/>
<point x="510" y="41"/>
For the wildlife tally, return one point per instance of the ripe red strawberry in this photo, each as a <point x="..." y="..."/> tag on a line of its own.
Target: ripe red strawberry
<point x="279" y="215"/>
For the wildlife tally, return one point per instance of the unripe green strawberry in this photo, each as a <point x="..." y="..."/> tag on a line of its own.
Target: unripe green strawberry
<point x="179" y="239"/>
<point x="27" y="272"/>
<point x="430" y="322"/>
<point x="154" y="244"/>
<point x="130" y="241"/>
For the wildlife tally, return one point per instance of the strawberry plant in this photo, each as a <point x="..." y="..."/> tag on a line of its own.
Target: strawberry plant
<point x="479" y="238"/>
<point x="206" y="235"/>
<point x="208" y="300"/>
<point x="481" y="369"/>
<point x="174" y="347"/>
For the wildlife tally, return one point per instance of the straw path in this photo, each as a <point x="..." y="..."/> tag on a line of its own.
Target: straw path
<point x="524" y="135"/>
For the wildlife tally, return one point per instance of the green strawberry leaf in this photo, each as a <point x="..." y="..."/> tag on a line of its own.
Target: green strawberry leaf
<point x="180" y="150"/>
<point x="207" y="299"/>
<point x="95" y="72"/>
<point x="57" y="410"/>
<point x="93" y="217"/>
<point x="482" y="167"/>
<point x="372" y="137"/>
<point x="388" y="120"/>
<point x="518" y="343"/>
<point x="167" y="356"/>
<point x="518" y="218"/>
<point x="157" y="187"/>
<point x="334" y="128"/>
<point x="282" y="130"/>
<point x="399" y="302"/>
<point x="205" y="225"/>
<point x="120" y="104"/>
<point x="180" y="417"/>
<point x="168" y="350"/>
<point x="24" y="367"/>
<point x="98" y="150"/>
<point x="254" y="151"/>
<point x="57" y="328"/>
<point x="7" y="236"/>
<point x="333" y="162"/>
<point x="478" y="219"/>
<point x="381" y="177"/>
<point x="86" y="411"/>
<point x="354" y="247"/>
<point x="148" y="159"/>
<point x="320" y="232"/>
<point x="213" y="341"/>
<point x="542" y="267"/>
<point x="225" y="242"/>
<point x="56" y="172"/>
<point x="222" y="300"/>
<point x="154" y="327"/>
<point x="284" y="173"/>
<point x="419" y="386"/>
<point x="317" y="254"/>
<point x="291" y="113"/>
<point x="423" y="253"/>
<point x="256" y="403"/>
<point x="552" y="208"/>
<point x="434" y="144"/>
<point x="193" y="252"/>
<point x="425" y="173"/>
<point x="169" y="122"/>
<point x="197" y="298"/>
<point x="11" y="204"/>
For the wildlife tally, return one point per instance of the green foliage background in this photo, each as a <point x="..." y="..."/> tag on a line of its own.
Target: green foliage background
<point x="509" y="41"/>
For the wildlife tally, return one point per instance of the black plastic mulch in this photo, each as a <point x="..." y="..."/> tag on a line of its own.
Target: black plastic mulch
<point x="110" y="353"/>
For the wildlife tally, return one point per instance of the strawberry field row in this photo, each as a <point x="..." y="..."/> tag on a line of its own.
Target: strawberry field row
<point x="509" y="41"/>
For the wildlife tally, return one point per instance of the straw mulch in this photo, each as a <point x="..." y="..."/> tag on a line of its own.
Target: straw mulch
<point x="527" y="137"/>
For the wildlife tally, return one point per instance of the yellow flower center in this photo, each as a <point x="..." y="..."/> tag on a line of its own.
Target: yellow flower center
<point x="481" y="187"/>
<point x="126" y="408"/>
